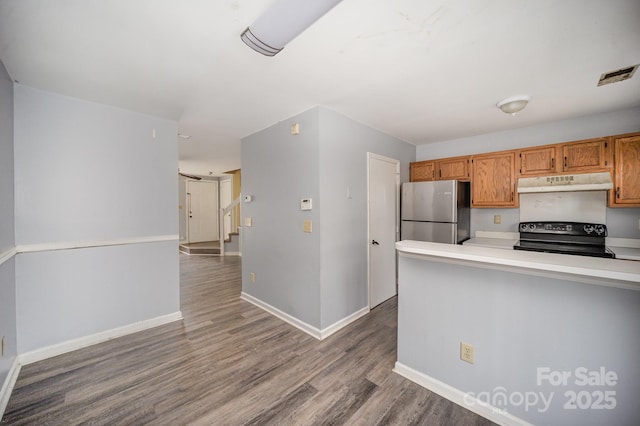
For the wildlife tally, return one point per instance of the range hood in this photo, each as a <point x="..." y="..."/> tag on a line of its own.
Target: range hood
<point x="563" y="183"/>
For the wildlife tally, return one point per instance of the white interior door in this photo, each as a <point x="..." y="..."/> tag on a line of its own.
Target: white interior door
<point x="202" y="204"/>
<point x="225" y="200"/>
<point x="383" y="207"/>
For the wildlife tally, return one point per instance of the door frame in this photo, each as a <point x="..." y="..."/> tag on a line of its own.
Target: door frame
<point x="221" y="219"/>
<point x="370" y="156"/>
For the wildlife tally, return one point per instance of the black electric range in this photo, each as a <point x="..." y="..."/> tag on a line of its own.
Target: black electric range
<point x="583" y="239"/>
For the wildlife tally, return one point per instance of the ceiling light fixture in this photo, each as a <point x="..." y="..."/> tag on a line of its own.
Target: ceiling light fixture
<point x="283" y="21"/>
<point x="513" y="104"/>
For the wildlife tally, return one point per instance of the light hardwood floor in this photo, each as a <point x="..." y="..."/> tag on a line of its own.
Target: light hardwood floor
<point x="230" y="363"/>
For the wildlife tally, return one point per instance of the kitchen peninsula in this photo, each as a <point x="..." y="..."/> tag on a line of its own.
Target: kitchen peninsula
<point x="538" y="323"/>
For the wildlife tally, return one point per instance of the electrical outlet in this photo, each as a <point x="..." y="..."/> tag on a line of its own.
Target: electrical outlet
<point x="497" y="219"/>
<point x="466" y="352"/>
<point x="252" y="277"/>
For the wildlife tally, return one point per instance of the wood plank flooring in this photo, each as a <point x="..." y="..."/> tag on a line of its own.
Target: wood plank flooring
<point x="230" y="363"/>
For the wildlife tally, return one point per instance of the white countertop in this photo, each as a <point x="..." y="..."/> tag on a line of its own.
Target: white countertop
<point x="501" y="240"/>
<point x="624" y="248"/>
<point x="500" y="243"/>
<point x="591" y="270"/>
<point x="625" y="253"/>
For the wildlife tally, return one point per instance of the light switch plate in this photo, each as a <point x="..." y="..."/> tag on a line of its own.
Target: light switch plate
<point x="308" y="226"/>
<point x="247" y="222"/>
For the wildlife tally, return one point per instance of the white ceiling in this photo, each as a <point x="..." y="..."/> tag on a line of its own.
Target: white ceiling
<point x="423" y="71"/>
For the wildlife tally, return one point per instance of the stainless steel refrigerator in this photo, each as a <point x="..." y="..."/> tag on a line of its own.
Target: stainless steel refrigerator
<point x="437" y="211"/>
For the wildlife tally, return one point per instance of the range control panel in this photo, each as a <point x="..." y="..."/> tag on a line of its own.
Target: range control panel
<point x="564" y="228"/>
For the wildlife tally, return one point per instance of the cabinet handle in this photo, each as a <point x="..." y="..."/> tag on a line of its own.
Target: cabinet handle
<point x="618" y="192"/>
<point x="553" y="163"/>
<point x="440" y="172"/>
<point x="511" y="196"/>
<point x="565" y="162"/>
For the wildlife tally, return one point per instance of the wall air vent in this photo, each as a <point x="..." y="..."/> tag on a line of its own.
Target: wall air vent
<point x="617" y="75"/>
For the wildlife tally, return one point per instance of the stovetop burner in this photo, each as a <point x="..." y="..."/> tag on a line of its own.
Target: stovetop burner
<point x="583" y="239"/>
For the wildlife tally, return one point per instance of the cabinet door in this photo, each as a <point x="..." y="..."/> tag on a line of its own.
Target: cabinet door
<point x="453" y="168"/>
<point x="422" y="170"/>
<point x="626" y="191"/>
<point x="590" y="156"/>
<point x="493" y="180"/>
<point x="537" y="161"/>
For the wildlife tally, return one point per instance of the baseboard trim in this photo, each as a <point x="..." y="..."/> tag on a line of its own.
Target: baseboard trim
<point x="232" y="253"/>
<point x="301" y="325"/>
<point x="7" y="386"/>
<point x="6" y="255"/>
<point x="328" y="331"/>
<point x="68" y="245"/>
<point x="456" y="396"/>
<point x="82" y="342"/>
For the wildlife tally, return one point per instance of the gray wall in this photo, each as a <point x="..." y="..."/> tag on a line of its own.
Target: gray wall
<point x="69" y="294"/>
<point x="344" y="144"/>
<point x="593" y="126"/>
<point x="85" y="173"/>
<point x="279" y="169"/>
<point x="7" y="240"/>
<point x="516" y="324"/>
<point x="621" y="222"/>
<point x="320" y="277"/>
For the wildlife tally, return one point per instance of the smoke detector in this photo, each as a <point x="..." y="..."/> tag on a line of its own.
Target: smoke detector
<point x="617" y="75"/>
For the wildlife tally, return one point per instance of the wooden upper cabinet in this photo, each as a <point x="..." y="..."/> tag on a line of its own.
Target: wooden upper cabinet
<point x="442" y="169"/>
<point x="587" y="156"/>
<point x="422" y="171"/>
<point x="494" y="175"/>
<point x="537" y="161"/>
<point x="493" y="182"/>
<point x="626" y="185"/>
<point x="574" y="157"/>
<point x="453" y="168"/>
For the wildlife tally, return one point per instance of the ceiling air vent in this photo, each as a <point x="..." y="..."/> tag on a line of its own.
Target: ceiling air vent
<point x="617" y="75"/>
